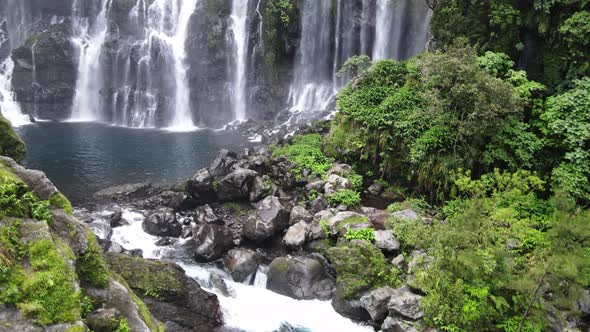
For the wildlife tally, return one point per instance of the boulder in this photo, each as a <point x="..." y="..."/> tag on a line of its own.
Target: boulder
<point x="241" y="264"/>
<point x="162" y="222"/>
<point x="103" y="320"/>
<point x="319" y="204"/>
<point x="399" y="261"/>
<point x="342" y="221"/>
<point x="405" y="303"/>
<point x="375" y="189"/>
<point x="336" y="182"/>
<point x="102" y="230"/>
<point x="11" y="144"/>
<point x="217" y="282"/>
<point x="386" y="241"/>
<point x="296" y="235"/>
<point x="350" y="308"/>
<point x="340" y="169"/>
<point x="270" y="217"/>
<point x="318" y="186"/>
<point x="261" y="187"/>
<point x="170" y="295"/>
<point x="200" y="186"/>
<point x="300" y="278"/>
<point x="407" y="214"/>
<point x="396" y="324"/>
<point x="36" y="180"/>
<point x="299" y="213"/>
<point x="376" y="303"/>
<point x="205" y="215"/>
<point x="236" y="185"/>
<point x="209" y="242"/>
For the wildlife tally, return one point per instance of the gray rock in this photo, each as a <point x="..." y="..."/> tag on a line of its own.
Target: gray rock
<point x="102" y="230"/>
<point x="235" y="185"/>
<point x="216" y="280"/>
<point x="340" y="169"/>
<point x="296" y="235"/>
<point x="241" y="264"/>
<point x="335" y="183"/>
<point x="201" y="184"/>
<point x="162" y="222"/>
<point x="408" y="214"/>
<point x="300" y="278"/>
<point x="299" y="213"/>
<point x="396" y="324"/>
<point x="318" y="186"/>
<point x="261" y="187"/>
<point x="376" y="303"/>
<point x="375" y="189"/>
<point x="36" y="180"/>
<point x="270" y="217"/>
<point x="209" y="242"/>
<point x="405" y="303"/>
<point x="319" y="204"/>
<point x="399" y="261"/>
<point x="350" y="308"/>
<point x="205" y="214"/>
<point x="103" y="320"/>
<point x="386" y="241"/>
<point x="342" y="221"/>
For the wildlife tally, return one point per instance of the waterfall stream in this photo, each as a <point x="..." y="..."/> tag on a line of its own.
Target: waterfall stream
<point x="250" y="308"/>
<point x="239" y="41"/>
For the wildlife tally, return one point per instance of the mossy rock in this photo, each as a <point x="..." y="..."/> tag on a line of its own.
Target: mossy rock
<point x="360" y="266"/>
<point x="157" y="279"/>
<point x="91" y="266"/>
<point x="59" y="200"/>
<point x="11" y="144"/>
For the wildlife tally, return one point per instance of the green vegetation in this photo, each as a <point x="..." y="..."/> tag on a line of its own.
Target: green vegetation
<point x="17" y="201"/>
<point x="306" y="152"/>
<point x="91" y="266"/>
<point x="10" y="143"/>
<point x="365" y="234"/>
<point x="346" y="197"/>
<point x="360" y="267"/>
<point x="43" y="288"/>
<point x="59" y="200"/>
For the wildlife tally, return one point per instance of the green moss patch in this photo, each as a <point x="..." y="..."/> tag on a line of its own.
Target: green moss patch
<point x="10" y="143"/>
<point x="91" y="266"/>
<point x="157" y="279"/>
<point x="360" y="266"/>
<point x="59" y="200"/>
<point x="36" y="276"/>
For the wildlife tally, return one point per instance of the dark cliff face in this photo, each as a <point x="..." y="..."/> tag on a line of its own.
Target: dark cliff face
<point x="44" y="78"/>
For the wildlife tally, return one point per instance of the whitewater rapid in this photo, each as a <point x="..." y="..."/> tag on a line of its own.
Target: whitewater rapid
<point x="252" y="308"/>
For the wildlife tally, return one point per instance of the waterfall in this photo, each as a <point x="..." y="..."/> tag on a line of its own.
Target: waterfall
<point x="183" y="119"/>
<point x="89" y="38"/>
<point x="149" y="87"/>
<point x="13" y="27"/>
<point x="347" y="38"/>
<point x="8" y="106"/>
<point x="312" y="89"/>
<point x="401" y="28"/>
<point x="239" y="42"/>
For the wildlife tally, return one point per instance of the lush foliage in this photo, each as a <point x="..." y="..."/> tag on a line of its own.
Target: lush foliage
<point x="501" y="242"/>
<point x="548" y="37"/>
<point x="91" y="266"/>
<point x="365" y="234"/>
<point x="306" y="152"/>
<point x="346" y="197"/>
<point x="361" y="266"/>
<point x="17" y="201"/>
<point x="417" y="121"/>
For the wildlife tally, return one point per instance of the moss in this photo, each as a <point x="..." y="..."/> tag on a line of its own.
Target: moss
<point x="148" y="319"/>
<point x="59" y="200"/>
<point x="157" y="279"/>
<point x="91" y="266"/>
<point x="76" y="328"/>
<point x="10" y="143"/>
<point x="45" y="291"/>
<point x="6" y="175"/>
<point x="350" y="221"/>
<point x="360" y="267"/>
<point x="281" y="264"/>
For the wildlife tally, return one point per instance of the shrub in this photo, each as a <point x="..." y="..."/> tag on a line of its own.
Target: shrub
<point x="306" y="152"/>
<point x="366" y="234"/>
<point x="345" y="196"/>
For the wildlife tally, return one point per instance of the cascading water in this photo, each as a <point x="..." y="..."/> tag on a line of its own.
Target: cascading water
<point x="312" y="88"/>
<point x="143" y="95"/>
<point x="13" y="29"/>
<point x="239" y="40"/>
<point x="89" y="38"/>
<point x="401" y="28"/>
<point x="250" y="308"/>
<point x="347" y="43"/>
